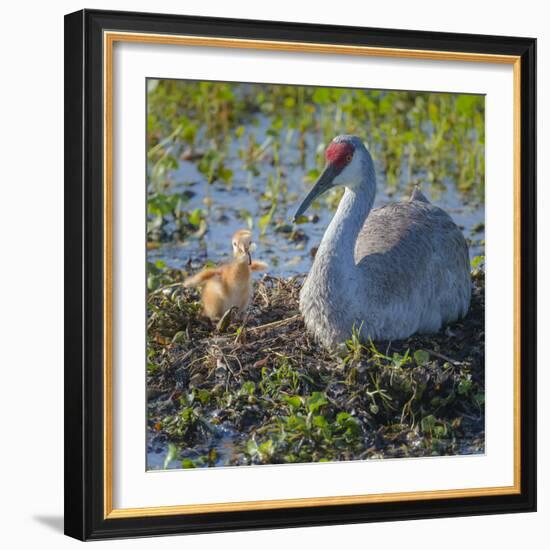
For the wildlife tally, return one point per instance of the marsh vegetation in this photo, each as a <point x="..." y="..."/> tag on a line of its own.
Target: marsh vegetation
<point x="227" y="156"/>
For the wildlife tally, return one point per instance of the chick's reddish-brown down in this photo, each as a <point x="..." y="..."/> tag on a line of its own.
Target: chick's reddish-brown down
<point x="229" y="285"/>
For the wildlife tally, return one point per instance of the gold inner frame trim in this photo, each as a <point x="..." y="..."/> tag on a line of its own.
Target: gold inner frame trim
<point x="109" y="39"/>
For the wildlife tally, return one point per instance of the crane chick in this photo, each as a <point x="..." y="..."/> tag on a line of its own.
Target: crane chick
<point x="229" y="285"/>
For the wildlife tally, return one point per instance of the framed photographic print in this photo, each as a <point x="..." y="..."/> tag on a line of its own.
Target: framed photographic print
<point x="300" y="274"/>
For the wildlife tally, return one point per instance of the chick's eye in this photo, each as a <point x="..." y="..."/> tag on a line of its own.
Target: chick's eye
<point x="348" y="158"/>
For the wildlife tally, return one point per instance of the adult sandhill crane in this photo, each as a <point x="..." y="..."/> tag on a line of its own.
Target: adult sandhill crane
<point x="389" y="272"/>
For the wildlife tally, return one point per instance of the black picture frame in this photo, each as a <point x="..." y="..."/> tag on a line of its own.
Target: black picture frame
<point x="84" y="283"/>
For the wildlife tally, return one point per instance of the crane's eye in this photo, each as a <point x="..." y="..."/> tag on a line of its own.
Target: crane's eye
<point x="348" y="158"/>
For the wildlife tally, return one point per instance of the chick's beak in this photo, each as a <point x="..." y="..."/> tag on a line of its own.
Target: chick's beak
<point x="245" y="249"/>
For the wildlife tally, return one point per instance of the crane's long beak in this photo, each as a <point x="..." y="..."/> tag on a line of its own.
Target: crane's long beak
<point x="323" y="184"/>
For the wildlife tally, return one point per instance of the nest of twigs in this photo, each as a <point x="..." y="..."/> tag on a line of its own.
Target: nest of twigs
<point x="263" y="391"/>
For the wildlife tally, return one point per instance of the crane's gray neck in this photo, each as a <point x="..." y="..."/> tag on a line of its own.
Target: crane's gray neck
<point x="328" y="299"/>
<point x="339" y="240"/>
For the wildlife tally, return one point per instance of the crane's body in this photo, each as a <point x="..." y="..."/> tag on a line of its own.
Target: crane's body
<point x="389" y="272"/>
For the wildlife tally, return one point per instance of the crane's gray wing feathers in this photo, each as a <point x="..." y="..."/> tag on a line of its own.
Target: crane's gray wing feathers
<point x="417" y="195"/>
<point x="415" y="258"/>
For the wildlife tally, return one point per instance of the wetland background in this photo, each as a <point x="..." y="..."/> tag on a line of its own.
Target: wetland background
<point x="226" y="156"/>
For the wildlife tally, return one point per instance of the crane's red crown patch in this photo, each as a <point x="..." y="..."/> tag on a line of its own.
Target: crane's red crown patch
<point x="339" y="154"/>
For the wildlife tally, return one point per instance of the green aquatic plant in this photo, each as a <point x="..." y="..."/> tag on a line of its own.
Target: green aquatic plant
<point x="269" y="394"/>
<point x="354" y="345"/>
<point x="437" y="139"/>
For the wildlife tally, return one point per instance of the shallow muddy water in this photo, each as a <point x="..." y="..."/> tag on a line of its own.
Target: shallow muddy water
<point x="286" y="247"/>
<point x="227" y="450"/>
